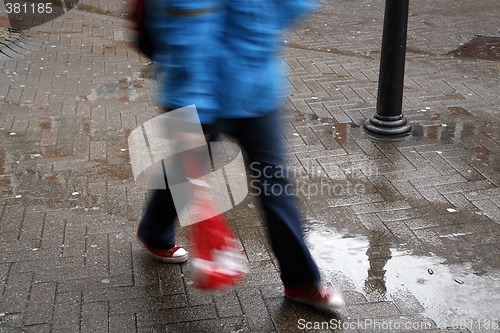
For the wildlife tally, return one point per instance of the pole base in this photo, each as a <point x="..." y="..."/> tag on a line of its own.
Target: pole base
<point x="387" y="125"/>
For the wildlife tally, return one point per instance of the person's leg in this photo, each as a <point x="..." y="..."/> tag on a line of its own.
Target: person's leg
<point x="157" y="227"/>
<point x="261" y="138"/>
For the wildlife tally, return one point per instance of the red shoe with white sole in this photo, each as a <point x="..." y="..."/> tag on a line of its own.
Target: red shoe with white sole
<point x="175" y="255"/>
<point x="321" y="297"/>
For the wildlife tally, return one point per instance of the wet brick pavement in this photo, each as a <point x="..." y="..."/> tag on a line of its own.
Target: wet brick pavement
<point x="407" y="229"/>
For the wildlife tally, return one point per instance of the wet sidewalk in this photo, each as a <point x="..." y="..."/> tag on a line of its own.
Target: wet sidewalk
<point x="408" y="229"/>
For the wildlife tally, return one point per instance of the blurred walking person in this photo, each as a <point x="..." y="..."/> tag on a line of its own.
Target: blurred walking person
<point x="223" y="56"/>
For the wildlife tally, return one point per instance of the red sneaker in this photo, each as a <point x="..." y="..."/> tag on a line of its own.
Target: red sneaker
<point x="321" y="297"/>
<point x="175" y="255"/>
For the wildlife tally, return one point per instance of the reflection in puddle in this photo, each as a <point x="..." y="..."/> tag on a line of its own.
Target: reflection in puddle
<point x="450" y="294"/>
<point x="378" y="254"/>
<point x="453" y="131"/>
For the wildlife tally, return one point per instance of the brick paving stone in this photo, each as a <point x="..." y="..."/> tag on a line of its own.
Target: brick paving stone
<point x="371" y="221"/>
<point x="16" y="293"/>
<point x="432" y="195"/>
<point x="458" y="200"/>
<point x="255" y="279"/>
<point x="122" y="323"/>
<point x="196" y="298"/>
<point x="131" y="305"/>
<point x="284" y="318"/>
<point x="406" y="302"/>
<point x="227" y="304"/>
<point x="489" y="209"/>
<point x="356" y="200"/>
<point x="167" y="316"/>
<point x="234" y="324"/>
<point x="255" y="310"/>
<point x="171" y="280"/>
<point x="254" y="251"/>
<point x="401" y="231"/>
<point x="66" y="313"/>
<point x="373" y="310"/>
<point x="94" y="317"/>
<point x="380" y="207"/>
<point x="439" y="181"/>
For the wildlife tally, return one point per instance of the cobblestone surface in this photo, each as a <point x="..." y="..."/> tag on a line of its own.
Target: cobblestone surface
<point x="408" y="229"/>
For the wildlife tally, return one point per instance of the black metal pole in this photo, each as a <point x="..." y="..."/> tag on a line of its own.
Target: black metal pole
<point x="388" y="119"/>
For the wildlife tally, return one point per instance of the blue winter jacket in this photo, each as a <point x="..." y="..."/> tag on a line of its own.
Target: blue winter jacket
<point x="221" y="55"/>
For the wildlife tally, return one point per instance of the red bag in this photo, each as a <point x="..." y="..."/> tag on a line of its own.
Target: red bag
<point x="218" y="260"/>
<point x="217" y="257"/>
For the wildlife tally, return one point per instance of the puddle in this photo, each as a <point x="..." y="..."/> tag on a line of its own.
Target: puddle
<point x="453" y="131"/>
<point x="436" y="262"/>
<point x="456" y="125"/>
<point x="124" y="90"/>
<point x="330" y="50"/>
<point x="451" y="295"/>
<point x="427" y="258"/>
<point x="480" y="47"/>
<point x="459" y="129"/>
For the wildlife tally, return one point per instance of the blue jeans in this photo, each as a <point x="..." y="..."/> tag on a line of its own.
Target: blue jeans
<point x="261" y="140"/>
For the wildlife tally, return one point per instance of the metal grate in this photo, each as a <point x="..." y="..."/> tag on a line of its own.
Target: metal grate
<point x="14" y="43"/>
